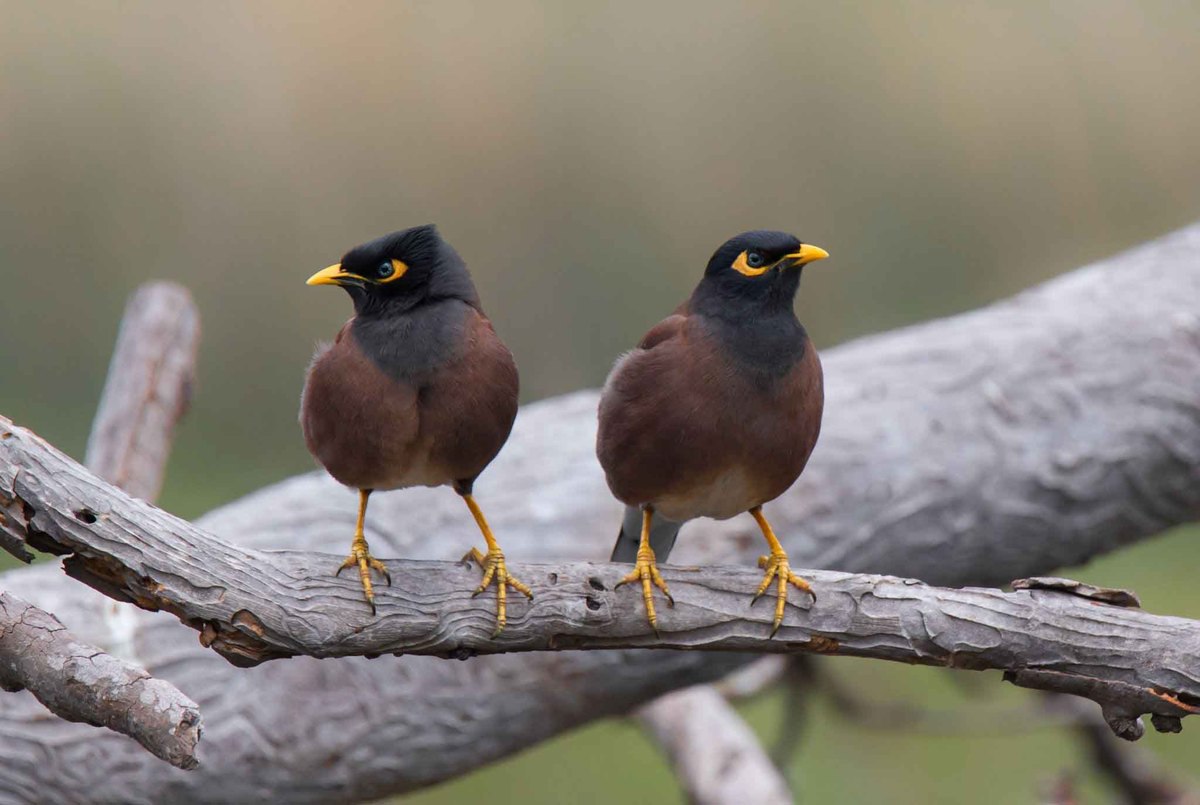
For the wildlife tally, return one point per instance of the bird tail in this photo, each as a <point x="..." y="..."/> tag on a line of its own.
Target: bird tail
<point x="662" y="536"/>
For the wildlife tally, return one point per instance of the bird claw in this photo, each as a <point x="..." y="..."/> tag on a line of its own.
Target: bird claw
<point x="779" y="570"/>
<point x="495" y="570"/>
<point x="646" y="571"/>
<point x="361" y="558"/>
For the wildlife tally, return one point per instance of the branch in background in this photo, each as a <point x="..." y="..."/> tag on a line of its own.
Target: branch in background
<point x="148" y="389"/>
<point x="79" y="682"/>
<point x="1137" y="774"/>
<point x="253" y="606"/>
<point x="146" y="392"/>
<point x="1028" y="436"/>
<point x="717" y="757"/>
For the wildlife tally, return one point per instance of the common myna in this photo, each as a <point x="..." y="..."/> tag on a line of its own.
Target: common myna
<point x="716" y="411"/>
<point x="416" y="390"/>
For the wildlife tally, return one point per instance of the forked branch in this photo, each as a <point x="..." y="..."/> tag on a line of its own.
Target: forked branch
<point x="253" y="606"/>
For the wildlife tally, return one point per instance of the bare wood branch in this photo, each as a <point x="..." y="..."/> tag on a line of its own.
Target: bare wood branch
<point x="148" y="389"/>
<point x="78" y="682"/>
<point x="146" y="392"/>
<point x="1138" y="775"/>
<point x="715" y="755"/>
<point x="1008" y="442"/>
<point x="283" y="604"/>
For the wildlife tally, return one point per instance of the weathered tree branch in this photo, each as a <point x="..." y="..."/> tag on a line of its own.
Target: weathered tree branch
<point x="148" y="381"/>
<point x="1021" y="438"/>
<point x="148" y="389"/>
<point x="715" y="755"/>
<point x="79" y="682"/>
<point x="253" y="606"/>
<point x="700" y="721"/>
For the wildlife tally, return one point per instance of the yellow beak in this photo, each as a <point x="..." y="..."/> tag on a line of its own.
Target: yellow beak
<point x="807" y="254"/>
<point x="328" y="276"/>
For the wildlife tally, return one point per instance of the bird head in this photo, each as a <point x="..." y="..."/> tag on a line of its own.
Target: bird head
<point x="757" y="268"/>
<point x="399" y="271"/>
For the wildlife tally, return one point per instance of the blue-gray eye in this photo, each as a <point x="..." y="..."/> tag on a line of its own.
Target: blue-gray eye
<point x="385" y="270"/>
<point x="754" y="259"/>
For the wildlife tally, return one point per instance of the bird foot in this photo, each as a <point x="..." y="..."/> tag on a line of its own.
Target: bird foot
<point x="780" y="571"/>
<point x="646" y="571"/>
<point x="494" y="570"/>
<point x="361" y="558"/>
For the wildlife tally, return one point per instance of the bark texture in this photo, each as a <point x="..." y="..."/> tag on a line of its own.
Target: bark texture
<point x="80" y="683"/>
<point x="253" y="606"/>
<point x="1008" y="442"/>
<point x="149" y="380"/>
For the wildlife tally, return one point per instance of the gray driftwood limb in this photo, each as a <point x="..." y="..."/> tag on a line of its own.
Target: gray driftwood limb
<point x="253" y="606"/>
<point x="148" y="382"/>
<point x="715" y="755"/>
<point x="148" y="389"/>
<point x="1009" y="442"/>
<point x="79" y="682"/>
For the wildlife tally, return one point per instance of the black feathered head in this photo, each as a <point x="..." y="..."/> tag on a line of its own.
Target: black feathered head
<point x="399" y="271"/>
<point x="753" y="270"/>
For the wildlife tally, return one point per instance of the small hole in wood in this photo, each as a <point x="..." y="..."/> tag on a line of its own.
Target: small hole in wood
<point x="85" y="516"/>
<point x="592" y="603"/>
<point x="595" y="583"/>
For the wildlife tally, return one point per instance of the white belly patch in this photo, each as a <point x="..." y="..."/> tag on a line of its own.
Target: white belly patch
<point x="727" y="495"/>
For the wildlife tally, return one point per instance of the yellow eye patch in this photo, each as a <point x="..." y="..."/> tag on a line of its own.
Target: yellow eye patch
<point x="398" y="270"/>
<point x="743" y="267"/>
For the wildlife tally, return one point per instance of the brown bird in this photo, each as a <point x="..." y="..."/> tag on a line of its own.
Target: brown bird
<point x="716" y="411"/>
<point x="416" y="390"/>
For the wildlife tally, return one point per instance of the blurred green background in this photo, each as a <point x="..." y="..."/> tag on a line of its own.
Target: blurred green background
<point x="585" y="158"/>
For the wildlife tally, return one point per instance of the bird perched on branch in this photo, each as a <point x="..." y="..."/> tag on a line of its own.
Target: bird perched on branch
<point x="416" y="390"/>
<point x="716" y="411"/>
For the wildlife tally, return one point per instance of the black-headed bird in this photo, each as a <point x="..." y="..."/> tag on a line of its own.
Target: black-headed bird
<point x="416" y="390"/>
<point x="716" y="411"/>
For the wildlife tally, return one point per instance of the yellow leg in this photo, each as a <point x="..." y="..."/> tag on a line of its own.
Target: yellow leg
<point x="494" y="568"/>
<point x="646" y="571"/>
<point x="361" y="557"/>
<point x="778" y="569"/>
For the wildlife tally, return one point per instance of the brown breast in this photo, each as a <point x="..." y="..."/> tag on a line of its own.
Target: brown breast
<point x="371" y="431"/>
<point x="683" y="429"/>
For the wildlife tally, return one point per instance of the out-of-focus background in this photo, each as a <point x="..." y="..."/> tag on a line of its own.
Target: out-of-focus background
<point x="586" y="159"/>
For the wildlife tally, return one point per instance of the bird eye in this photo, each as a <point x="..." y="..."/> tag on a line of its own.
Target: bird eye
<point x="385" y="270"/>
<point x="754" y="260"/>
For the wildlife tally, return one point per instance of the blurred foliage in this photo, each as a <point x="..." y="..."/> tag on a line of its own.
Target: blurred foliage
<point x="585" y="159"/>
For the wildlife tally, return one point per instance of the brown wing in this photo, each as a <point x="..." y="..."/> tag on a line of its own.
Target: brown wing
<point x="636" y="426"/>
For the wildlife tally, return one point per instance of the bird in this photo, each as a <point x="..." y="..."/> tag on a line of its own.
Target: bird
<point x="416" y="389"/>
<point x="716" y="411"/>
